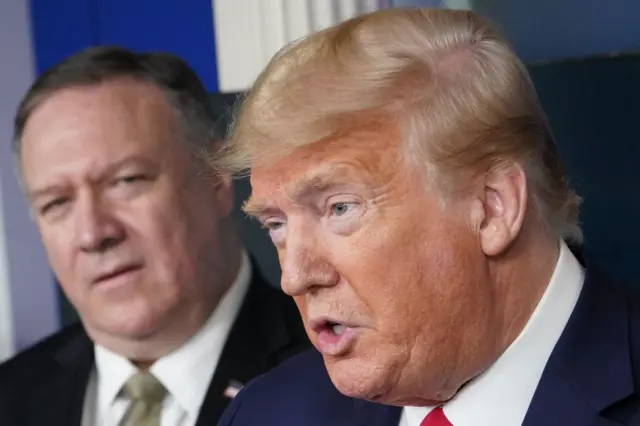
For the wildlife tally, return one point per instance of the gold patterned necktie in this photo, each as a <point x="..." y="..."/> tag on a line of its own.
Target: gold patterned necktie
<point x="146" y="394"/>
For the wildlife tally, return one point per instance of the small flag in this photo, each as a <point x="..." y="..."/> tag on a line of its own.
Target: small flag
<point x="232" y="389"/>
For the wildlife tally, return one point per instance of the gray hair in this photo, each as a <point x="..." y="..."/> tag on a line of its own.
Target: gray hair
<point x="180" y="84"/>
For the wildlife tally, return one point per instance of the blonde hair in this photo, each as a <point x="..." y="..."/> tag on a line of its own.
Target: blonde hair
<point x="462" y="98"/>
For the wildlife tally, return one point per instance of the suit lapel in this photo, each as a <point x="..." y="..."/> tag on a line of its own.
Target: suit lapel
<point x="59" y="398"/>
<point x="590" y="368"/>
<point x="260" y="338"/>
<point x="560" y="405"/>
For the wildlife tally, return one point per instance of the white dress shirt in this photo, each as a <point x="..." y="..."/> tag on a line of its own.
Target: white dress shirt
<point x="501" y="395"/>
<point x="186" y="373"/>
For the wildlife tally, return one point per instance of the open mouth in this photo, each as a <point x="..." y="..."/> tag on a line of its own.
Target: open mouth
<point x="332" y="327"/>
<point x="334" y="338"/>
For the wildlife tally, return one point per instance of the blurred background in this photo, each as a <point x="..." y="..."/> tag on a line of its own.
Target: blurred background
<point x="581" y="54"/>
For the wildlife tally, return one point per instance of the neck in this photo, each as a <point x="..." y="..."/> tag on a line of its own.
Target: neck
<point x="522" y="276"/>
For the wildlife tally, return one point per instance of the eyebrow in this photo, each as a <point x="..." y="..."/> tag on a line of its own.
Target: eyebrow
<point x="47" y="190"/>
<point x="254" y="208"/>
<point x="317" y="181"/>
<point x="110" y="169"/>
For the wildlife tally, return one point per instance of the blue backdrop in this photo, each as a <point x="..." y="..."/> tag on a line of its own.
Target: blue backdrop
<point x="183" y="27"/>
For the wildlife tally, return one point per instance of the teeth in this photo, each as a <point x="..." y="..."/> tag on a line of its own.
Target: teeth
<point x="338" y="329"/>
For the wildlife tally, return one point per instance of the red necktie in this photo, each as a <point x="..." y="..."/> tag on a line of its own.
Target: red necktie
<point x="436" y="418"/>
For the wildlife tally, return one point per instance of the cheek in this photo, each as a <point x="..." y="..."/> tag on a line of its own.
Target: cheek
<point x="163" y="237"/>
<point x="60" y="252"/>
<point x="68" y="272"/>
<point x="408" y="274"/>
<point x="168" y="221"/>
<point x="183" y="245"/>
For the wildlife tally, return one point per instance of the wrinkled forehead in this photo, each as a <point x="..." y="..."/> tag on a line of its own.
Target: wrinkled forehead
<point x="365" y="156"/>
<point x="83" y="131"/>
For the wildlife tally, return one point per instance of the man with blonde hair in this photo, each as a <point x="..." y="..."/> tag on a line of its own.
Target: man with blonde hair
<point x="410" y="183"/>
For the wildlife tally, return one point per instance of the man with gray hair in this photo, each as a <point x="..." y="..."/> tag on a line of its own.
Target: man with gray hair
<point x="112" y="148"/>
<point x="414" y="193"/>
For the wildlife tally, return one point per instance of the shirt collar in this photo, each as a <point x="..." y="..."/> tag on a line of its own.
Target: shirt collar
<point x="186" y="373"/>
<point x="502" y="394"/>
<point x="113" y="371"/>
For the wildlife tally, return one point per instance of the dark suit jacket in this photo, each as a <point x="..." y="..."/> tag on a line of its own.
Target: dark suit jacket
<point x="591" y="379"/>
<point x="46" y="384"/>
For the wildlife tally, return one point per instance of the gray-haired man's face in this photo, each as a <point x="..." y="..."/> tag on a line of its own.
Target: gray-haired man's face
<point x="131" y="230"/>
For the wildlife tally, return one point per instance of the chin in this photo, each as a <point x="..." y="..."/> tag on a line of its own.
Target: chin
<point x="135" y="331"/>
<point x="134" y="324"/>
<point x="382" y="381"/>
<point x="357" y="378"/>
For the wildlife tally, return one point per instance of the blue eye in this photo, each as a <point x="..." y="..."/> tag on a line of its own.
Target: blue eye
<point x="340" y="209"/>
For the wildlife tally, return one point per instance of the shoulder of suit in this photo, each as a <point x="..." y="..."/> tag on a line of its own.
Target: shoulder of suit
<point x="301" y="382"/>
<point x="272" y="298"/>
<point x="33" y="360"/>
<point x="622" y="293"/>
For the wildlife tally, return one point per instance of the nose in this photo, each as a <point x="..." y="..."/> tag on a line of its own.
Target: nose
<point x="304" y="267"/>
<point x="96" y="229"/>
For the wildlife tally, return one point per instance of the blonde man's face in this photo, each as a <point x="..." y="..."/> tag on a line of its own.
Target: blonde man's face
<point x="387" y="282"/>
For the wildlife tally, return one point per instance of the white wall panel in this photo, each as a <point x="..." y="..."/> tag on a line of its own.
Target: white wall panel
<point x="28" y="299"/>
<point x="238" y="33"/>
<point x="249" y="32"/>
<point x="322" y="14"/>
<point x="346" y="9"/>
<point x="272" y="26"/>
<point x="6" y="312"/>
<point x="297" y="19"/>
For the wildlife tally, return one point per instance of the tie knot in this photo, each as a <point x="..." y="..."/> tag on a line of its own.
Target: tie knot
<point x="145" y="387"/>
